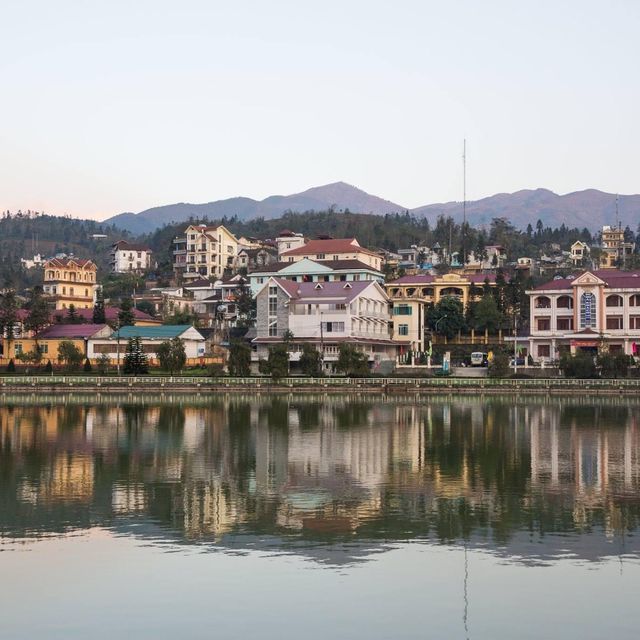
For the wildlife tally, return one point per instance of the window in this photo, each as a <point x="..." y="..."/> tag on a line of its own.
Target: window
<point x="18" y="348"/>
<point x="44" y="348"/>
<point x="543" y="324"/>
<point x="564" y="324"/>
<point x="403" y="329"/>
<point x="273" y="306"/>
<point x="333" y="327"/>
<point x="544" y="351"/>
<point x="587" y="311"/>
<point x="634" y="300"/>
<point x="614" y="301"/>
<point x="615" y="323"/>
<point x="634" y="322"/>
<point x="542" y="302"/>
<point x="320" y="256"/>
<point x="335" y="257"/>
<point x="565" y="302"/>
<point x="402" y="310"/>
<point x="273" y="329"/>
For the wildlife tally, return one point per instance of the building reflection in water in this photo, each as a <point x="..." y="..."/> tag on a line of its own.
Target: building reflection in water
<point x="305" y="470"/>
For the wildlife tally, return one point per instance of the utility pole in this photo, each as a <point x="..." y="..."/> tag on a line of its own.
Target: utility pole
<point x="464" y="203"/>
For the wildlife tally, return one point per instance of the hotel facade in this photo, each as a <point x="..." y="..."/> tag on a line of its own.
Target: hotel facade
<point x="595" y="311"/>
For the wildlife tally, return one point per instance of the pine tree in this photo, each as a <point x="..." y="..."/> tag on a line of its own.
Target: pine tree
<point x="72" y="315"/>
<point x="135" y="359"/>
<point x="125" y="315"/>
<point x="99" y="316"/>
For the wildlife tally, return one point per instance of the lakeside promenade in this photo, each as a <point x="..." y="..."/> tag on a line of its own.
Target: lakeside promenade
<point x="145" y="384"/>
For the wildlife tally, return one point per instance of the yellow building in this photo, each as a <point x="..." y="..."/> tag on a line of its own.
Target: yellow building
<point x="49" y="339"/>
<point x="70" y="281"/>
<point x="411" y="296"/>
<point x="614" y="249"/>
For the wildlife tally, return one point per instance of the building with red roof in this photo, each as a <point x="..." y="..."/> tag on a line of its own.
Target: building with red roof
<point x="333" y="249"/>
<point x="593" y="311"/>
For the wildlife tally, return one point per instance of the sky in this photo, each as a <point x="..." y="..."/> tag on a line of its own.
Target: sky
<point x="120" y="106"/>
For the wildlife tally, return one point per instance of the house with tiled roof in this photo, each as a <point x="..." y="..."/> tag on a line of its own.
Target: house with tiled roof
<point x="48" y="340"/>
<point x="129" y="257"/>
<point x="70" y="281"/>
<point x="114" y="345"/>
<point x="325" y="314"/>
<point x="333" y="249"/>
<point x="307" y="270"/>
<point x="594" y="311"/>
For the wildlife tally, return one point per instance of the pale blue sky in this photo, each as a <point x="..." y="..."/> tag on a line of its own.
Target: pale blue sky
<point x="116" y="106"/>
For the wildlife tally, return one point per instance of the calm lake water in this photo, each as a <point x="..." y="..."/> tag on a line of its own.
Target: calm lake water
<point x="319" y="517"/>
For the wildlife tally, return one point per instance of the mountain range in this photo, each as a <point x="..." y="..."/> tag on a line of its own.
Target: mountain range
<point x="589" y="208"/>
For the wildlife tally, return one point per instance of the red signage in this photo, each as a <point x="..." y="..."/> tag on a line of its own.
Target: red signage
<point x="584" y="343"/>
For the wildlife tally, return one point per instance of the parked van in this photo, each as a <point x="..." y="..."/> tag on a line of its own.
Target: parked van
<point x="478" y="359"/>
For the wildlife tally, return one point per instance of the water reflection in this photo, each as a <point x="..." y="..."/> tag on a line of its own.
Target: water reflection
<point x="333" y="478"/>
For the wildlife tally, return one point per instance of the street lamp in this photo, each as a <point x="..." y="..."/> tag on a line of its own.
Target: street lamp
<point x="435" y="326"/>
<point x="118" y="347"/>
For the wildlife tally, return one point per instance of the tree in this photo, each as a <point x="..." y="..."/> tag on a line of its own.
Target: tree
<point x="72" y="315"/>
<point x="277" y="364"/>
<point x="135" y="359"/>
<point x="99" y="316"/>
<point x="239" y="358"/>
<point x="39" y="316"/>
<point x="172" y="355"/>
<point x="87" y="368"/>
<point x="48" y="368"/>
<point x="614" y="365"/>
<point x="245" y="304"/>
<point x="8" y="317"/>
<point x="103" y="362"/>
<point x="69" y="355"/>
<point x="499" y="366"/>
<point x="487" y="315"/>
<point x="125" y="315"/>
<point x="11" y="366"/>
<point x="582" y="365"/>
<point x="352" y="361"/>
<point x="310" y="360"/>
<point x="446" y="317"/>
<point x="181" y="317"/>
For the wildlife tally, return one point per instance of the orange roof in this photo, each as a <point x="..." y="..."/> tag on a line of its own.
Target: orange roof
<point x="333" y="245"/>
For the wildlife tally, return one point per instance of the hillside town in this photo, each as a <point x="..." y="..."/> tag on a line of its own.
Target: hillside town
<point x="322" y="305"/>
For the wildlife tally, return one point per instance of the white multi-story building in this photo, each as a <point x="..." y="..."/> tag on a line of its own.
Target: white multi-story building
<point x="128" y="257"/>
<point x="204" y="251"/>
<point x="594" y="311"/>
<point x="325" y="314"/>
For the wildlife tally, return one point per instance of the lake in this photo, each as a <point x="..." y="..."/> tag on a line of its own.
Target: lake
<point x="319" y="517"/>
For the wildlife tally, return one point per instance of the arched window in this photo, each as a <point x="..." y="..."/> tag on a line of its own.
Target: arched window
<point x="588" y="311"/>
<point x="614" y="301"/>
<point x="543" y="302"/>
<point x="565" y="302"/>
<point x="411" y="291"/>
<point x="427" y="292"/>
<point x="634" y="300"/>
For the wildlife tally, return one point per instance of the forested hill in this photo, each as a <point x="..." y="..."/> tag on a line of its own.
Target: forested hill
<point x="23" y="234"/>
<point x="391" y="231"/>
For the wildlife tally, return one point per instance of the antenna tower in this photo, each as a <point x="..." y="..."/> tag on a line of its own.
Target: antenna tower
<point x="464" y="203"/>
